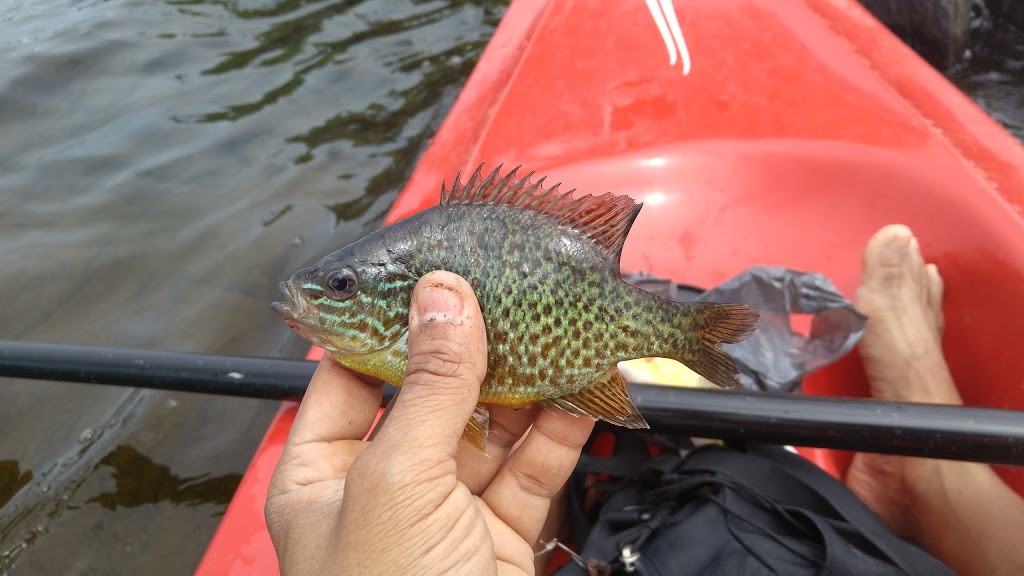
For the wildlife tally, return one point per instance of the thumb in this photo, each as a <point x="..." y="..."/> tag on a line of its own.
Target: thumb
<point x="447" y="363"/>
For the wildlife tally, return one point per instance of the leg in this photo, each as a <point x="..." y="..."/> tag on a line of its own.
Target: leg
<point x="902" y="353"/>
<point x="962" y="512"/>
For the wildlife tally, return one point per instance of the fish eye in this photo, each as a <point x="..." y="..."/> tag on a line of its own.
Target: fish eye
<point x="341" y="284"/>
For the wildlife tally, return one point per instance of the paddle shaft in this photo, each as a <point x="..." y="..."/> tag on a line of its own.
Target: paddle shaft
<point x="989" y="435"/>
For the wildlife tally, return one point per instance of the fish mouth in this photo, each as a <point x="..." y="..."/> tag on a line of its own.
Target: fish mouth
<point x="293" y="308"/>
<point x="303" y="318"/>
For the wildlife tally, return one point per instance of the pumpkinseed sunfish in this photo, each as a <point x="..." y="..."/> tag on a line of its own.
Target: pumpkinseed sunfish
<point x="545" y="269"/>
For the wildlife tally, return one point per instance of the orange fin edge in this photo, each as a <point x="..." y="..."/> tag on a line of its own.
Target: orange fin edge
<point x="605" y="220"/>
<point x="607" y="399"/>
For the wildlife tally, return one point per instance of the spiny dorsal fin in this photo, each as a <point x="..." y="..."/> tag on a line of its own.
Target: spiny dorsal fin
<point x="607" y="399"/>
<point x="604" y="219"/>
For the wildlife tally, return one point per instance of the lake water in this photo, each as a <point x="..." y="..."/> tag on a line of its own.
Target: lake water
<point x="161" y="165"/>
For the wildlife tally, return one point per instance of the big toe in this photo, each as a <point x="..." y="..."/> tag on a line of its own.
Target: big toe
<point x="901" y="297"/>
<point x="885" y="257"/>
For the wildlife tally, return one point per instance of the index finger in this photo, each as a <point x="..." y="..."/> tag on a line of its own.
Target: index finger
<point x="338" y="405"/>
<point x="522" y="491"/>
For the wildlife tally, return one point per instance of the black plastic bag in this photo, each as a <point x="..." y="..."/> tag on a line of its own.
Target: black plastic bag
<point x="777" y="356"/>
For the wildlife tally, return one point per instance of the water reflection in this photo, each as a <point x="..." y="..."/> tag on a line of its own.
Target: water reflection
<point x="392" y="126"/>
<point x="378" y="125"/>
<point x="274" y="216"/>
<point x="12" y="479"/>
<point x="993" y="73"/>
<point x="232" y="7"/>
<point x="140" y="481"/>
<point x="284" y="41"/>
<point x="165" y="164"/>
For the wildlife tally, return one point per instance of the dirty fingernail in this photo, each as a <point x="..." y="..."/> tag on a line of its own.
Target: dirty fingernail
<point x="438" y="303"/>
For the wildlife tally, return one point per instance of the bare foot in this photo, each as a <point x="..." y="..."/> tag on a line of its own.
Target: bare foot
<point x="902" y="297"/>
<point x="902" y="353"/>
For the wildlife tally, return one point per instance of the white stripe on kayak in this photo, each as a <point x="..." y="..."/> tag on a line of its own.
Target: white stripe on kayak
<point x="664" y="15"/>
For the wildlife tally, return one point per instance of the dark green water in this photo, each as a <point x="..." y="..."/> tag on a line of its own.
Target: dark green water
<point x="993" y="72"/>
<point x="162" y="163"/>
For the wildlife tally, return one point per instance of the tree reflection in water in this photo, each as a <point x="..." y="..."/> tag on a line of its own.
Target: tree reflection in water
<point x="140" y="481"/>
<point x="395" y="125"/>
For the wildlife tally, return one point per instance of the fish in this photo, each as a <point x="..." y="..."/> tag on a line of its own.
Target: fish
<point x="544" y="266"/>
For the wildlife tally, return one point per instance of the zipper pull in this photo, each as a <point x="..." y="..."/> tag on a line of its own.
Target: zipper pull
<point x="629" y="558"/>
<point x="593" y="566"/>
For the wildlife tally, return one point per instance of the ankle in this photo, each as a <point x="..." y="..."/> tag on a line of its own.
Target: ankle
<point x="924" y="482"/>
<point x="936" y="490"/>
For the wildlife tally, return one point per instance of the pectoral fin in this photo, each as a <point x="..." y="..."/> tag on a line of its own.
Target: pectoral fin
<point x="475" y="433"/>
<point x="607" y="399"/>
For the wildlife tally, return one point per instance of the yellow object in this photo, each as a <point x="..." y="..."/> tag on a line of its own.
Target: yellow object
<point x="663" y="371"/>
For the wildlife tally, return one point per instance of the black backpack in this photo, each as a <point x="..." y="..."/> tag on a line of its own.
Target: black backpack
<point x="731" y="511"/>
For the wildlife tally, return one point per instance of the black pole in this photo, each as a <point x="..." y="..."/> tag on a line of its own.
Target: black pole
<point x="989" y="435"/>
<point x="994" y="436"/>
<point x="247" y="376"/>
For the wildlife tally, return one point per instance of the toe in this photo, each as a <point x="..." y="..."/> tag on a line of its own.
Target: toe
<point x="917" y="273"/>
<point x="914" y="253"/>
<point x="936" y="288"/>
<point x="901" y="297"/>
<point x="884" y="257"/>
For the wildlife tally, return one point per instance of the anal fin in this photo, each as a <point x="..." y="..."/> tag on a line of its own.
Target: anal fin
<point x="607" y="399"/>
<point x="476" y="430"/>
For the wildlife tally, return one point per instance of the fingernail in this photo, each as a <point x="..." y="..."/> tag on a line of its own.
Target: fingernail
<point x="438" y="303"/>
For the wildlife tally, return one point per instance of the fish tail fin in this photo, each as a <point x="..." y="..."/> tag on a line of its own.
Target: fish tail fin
<point x="712" y="324"/>
<point x="476" y="430"/>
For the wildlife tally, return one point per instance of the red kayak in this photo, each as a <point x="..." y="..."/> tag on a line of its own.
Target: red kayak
<point x="756" y="132"/>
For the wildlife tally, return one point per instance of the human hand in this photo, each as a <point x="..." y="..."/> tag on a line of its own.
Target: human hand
<point x="416" y="499"/>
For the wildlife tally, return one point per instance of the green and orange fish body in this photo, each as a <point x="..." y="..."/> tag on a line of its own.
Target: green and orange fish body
<point x="545" y="269"/>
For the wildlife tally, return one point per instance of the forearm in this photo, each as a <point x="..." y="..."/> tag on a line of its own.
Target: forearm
<point x="968" y="517"/>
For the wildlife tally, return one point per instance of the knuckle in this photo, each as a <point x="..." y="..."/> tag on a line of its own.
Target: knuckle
<point x="397" y="469"/>
<point x="532" y="484"/>
<point x="415" y="486"/>
<point x="501" y="435"/>
<point x="439" y="361"/>
<point x="437" y="402"/>
<point x="562" y="439"/>
<point x="374" y="472"/>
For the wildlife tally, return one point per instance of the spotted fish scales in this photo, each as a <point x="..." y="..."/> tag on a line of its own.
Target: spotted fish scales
<point x="545" y="269"/>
